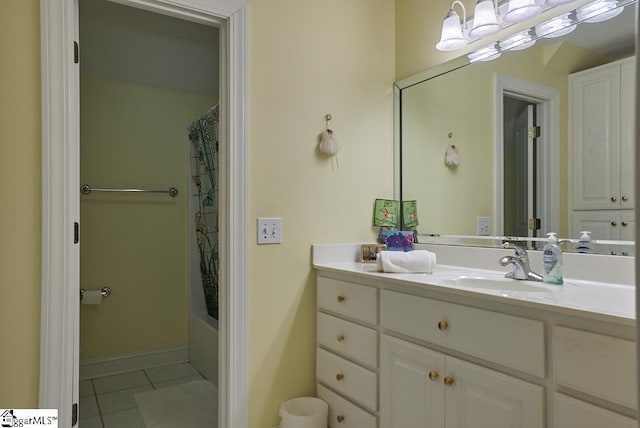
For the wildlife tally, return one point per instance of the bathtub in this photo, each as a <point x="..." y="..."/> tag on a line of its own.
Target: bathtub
<point x="203" y="345"/>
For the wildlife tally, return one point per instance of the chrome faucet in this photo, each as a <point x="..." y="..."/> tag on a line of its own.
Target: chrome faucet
<point x="521" y="268"/>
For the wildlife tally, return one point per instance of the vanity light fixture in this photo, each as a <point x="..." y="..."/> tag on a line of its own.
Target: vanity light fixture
<point x="556" y="27"/>
<point x="558" y="2"/>
<point x="488" y="53"/>
<point x="485" y="19"/>
<point x="598" y="11"/>
<point x="518" y="41"/>
<point x="521" y="10"/>
<point x="453" y="36"/>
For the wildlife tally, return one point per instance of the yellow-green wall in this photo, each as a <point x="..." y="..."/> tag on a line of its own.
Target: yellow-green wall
<point x="306" y="59"/>
<point x="134" y="136"/>
<point x="20" y="209"/>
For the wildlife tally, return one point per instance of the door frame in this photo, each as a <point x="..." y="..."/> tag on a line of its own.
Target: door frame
<point x="548" y="115"/>
<point x="61" y="191"/>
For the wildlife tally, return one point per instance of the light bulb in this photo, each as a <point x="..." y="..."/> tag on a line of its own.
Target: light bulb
<point x="485" y="54"/>
<point x="598" y="11"/>
<point x="517" y="42"/>
<point x="556" y="27"/>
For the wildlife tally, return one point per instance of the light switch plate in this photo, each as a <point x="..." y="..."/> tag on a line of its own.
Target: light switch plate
<point x="269" y="230"/>
<point x="482" y="226"/>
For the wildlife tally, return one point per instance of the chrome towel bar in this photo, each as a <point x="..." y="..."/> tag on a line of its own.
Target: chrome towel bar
<point x="86" y="189"/>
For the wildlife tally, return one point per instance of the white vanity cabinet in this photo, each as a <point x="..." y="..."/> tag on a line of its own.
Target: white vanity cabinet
<point x="392" y="353"/>
<point x="602" y="136"/>
<point x="424" y="388"/>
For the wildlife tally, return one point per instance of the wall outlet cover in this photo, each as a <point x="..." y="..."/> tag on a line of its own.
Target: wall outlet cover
<point x="482" y="226"/>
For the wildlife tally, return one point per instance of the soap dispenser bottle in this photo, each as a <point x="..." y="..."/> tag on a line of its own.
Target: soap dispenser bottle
<point x="552" y="260"/>
<point x="584" y="244"/>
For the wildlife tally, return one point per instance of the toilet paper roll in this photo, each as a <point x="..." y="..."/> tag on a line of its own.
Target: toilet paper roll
<point x="92" y="297"/>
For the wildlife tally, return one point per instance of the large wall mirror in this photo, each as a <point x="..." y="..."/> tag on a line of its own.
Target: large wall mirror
<point x="544" y="137"/>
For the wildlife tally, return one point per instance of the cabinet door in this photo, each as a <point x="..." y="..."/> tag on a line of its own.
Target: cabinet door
<point x="569" y="412"/>
<point x="627" y="232"/>
<point x="627" y="132"/>
<point x="595" y="138"/>
<point x="410" y="385"/>
<point x="477" y="397"/>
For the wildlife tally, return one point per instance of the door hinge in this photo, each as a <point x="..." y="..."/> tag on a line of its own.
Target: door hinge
<point x="74" y="414"/>
<point x="76" y="232"/>
<point x="76" y="52"/>
<point x="534" y="224"/>
<point x="534" y="132"/>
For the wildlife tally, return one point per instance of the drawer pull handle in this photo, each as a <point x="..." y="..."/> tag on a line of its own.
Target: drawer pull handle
<point x="614" y="199"/>
<point x="442" y="325"/>
<point x="614" y="224"/>
<point x="448" y="381"/>
<point x="433" y="375"/>
<point x="339" y="376"/>
<point x="340" y="418"/>
<point x="340" y="338"/>
<point x="624" y="224"/>
<point x="340" y="298"/>
<point x="625" y="198"/>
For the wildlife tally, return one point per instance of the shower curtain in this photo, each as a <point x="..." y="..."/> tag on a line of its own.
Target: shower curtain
<point x="203" y="135"/>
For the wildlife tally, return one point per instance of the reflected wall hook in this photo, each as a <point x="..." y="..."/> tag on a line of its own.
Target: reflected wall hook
<point x="451" y="157"/>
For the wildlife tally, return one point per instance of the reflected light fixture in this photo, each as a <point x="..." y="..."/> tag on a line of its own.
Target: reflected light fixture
<point x="453" y="36"/>
<point x="518" y="41"/>
<point x="556" y="27"/>
<point x="558" y="2"/>
<point x="598" y="11"/>
<point x="521" y="10"/>
<point x="487" y="53"/>
<point x="485" y="19"/>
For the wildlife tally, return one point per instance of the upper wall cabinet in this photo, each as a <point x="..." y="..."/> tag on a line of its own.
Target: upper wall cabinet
<point x="602" y="136"/>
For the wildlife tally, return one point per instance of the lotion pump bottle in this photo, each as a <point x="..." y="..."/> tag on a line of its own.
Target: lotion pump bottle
<point x="584" y="244"/>
<point x="552" y="260"/>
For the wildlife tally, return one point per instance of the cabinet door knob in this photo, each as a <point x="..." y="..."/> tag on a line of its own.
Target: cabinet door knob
<point x="433" y="375"/>
<point x="614" y="223"/>
<point x="624" y="224"/>
<point x="340" y="418"/>
<point x="340" y="298"/>
<point x="448" y="381"/>
<point x="625" y="198"/>
<point x="340" y="337"/>
<point x="614" y="199"/>
<point x="339" y="376"/>
<point x="442" y="325"/>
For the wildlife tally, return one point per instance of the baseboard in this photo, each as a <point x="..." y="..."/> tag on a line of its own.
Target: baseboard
<point x="131" y="362"/>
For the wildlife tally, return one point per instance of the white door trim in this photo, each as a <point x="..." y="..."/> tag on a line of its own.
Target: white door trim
<point x="549" y="116"/>
<point x="60" y="201"/>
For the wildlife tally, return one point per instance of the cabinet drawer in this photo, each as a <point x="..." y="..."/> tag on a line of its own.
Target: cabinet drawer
<point x="352" y="380"/>
<point x="597" y="364"/>
<point x="352" y="340"/>
<point x="343" y="414"/>
<point x="504" y="339"/>
<point x="352" y="300"/>
<point x="569" y="412"/>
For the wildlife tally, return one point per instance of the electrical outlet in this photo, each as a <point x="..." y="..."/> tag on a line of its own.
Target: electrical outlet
<point x="482" y="226"/>
<point x="269" y="230"/>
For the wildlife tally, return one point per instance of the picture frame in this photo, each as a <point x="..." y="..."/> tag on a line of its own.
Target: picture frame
<point x="369" y="252"/>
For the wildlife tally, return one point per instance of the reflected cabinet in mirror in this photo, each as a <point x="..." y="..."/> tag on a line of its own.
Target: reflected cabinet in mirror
<point x="537" y="140"/>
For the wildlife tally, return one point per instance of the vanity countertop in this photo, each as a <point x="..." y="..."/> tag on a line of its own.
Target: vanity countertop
<point x="595" y="300"/>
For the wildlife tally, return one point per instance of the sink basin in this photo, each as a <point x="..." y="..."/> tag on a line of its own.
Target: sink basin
<point x="497" y="283"/>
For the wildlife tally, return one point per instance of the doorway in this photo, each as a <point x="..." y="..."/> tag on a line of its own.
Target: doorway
<point x="526" y="157"/>
<point x="144" y="77"/>
<point x="61" y="193"/>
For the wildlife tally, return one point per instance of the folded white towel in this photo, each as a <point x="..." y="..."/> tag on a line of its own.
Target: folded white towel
<point x="416" y="261"/>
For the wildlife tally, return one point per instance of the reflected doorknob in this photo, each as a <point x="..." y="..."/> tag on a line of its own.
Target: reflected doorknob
<point x="614" y="199"/>
<point x="614" y="223"/>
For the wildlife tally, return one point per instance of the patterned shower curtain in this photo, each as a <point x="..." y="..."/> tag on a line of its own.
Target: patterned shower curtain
<point x="203" y="134"/>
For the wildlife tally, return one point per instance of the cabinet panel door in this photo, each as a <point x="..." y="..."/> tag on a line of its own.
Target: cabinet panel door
<point x="627" y="232"/>
<point x="569" y="412"/>
<point x="483" y="398"/>
<point x="595" y="138"/>
<point x="627" y="132"/>
<point x="409" y="397"/>
<point x="343" y="414"/>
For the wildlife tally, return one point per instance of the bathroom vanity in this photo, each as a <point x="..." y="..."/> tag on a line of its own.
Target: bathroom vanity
<point x="465" y="347"/>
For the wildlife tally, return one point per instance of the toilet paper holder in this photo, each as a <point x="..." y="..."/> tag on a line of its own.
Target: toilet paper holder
<point x="105" y="291"/>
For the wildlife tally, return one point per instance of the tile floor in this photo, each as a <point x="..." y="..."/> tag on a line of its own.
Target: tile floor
<point x="108" y="402"/>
